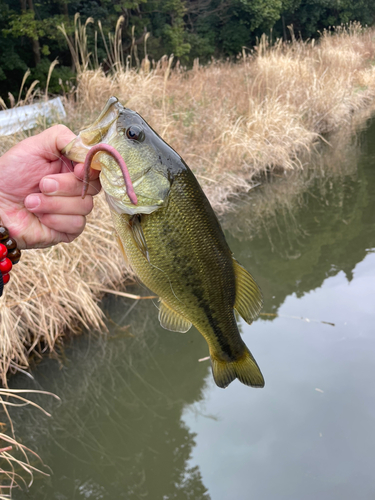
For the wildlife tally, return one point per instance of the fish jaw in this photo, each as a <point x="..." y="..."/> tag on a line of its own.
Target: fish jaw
<point x="118" y="206"/>
<point x="151" y="187"/>
<point x="76" y="150"/>
<point x="101" y="131"/>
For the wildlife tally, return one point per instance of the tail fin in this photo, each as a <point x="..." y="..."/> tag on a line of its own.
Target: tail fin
<point x="244" y="368"/>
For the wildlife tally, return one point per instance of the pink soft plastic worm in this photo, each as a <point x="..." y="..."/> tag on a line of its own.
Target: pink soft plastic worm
<point x="106" y="148"/>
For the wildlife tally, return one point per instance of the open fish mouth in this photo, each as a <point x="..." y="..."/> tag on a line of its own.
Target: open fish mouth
<point x="100" y="132"/>
<point x="92" y="141"/>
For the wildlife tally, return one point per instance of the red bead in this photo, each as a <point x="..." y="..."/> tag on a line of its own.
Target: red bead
<point x="6" y="278"/>
<point x="5" y="266"/>
<point x="3" y="251"/>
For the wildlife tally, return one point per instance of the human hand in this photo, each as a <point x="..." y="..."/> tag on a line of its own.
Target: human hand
<point x="40" y="195"/>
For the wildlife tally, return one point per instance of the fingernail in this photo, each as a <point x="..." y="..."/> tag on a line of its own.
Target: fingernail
<point x="32" y="202"/>
<point x="49" y="186"/>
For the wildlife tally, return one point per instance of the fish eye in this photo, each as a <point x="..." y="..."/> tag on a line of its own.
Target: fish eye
<point x="135" y="133"/>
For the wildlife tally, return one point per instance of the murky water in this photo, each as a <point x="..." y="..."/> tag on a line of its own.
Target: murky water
<point x="140" y="416"/>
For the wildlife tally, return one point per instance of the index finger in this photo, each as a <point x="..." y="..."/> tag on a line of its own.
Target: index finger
<point x="67" y="166"/>
<point x="66" y="185"/>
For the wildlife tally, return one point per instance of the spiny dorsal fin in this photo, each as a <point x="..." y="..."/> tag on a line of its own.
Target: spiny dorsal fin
<point x="249" y="298"/>
<point x="171" y="320"/>
<point x="138" y="235"/>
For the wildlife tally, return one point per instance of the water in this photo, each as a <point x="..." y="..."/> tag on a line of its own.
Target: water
<point x="140" y="416"/>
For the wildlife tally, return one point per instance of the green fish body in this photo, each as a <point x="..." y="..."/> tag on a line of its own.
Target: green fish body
<point x="174" y="243"/>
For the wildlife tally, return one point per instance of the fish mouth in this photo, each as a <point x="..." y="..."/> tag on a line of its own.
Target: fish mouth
<point x="110" y="150"/>
<point x="94" y="140"/>
<point x="76" y="150"/>
<point x="101" y="131"/>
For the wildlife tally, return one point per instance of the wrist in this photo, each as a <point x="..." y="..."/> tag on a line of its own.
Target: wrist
<point x="11" y="218"/>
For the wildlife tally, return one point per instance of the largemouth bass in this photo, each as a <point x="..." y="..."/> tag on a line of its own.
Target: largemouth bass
<point x="173" y="241"/>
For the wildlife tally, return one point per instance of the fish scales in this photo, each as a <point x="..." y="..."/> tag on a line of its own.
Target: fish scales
<point x="173" y="240"/>
<point x="190" y="267"/>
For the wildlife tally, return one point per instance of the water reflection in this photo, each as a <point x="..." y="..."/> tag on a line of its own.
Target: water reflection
<point x="140" y="416"/>
<point x="118" y="432"/>
<point x="311" y="226"/>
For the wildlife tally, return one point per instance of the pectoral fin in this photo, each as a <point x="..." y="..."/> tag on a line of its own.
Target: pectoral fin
<point x="171" y="320"/>
<point x="138" y="235"/>
<point x="122" y="249"/>
<point x="249" y="298"/>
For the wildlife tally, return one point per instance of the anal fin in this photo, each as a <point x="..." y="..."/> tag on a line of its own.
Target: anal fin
<point x="172" y="320"/>
<point x="249" y="299"/>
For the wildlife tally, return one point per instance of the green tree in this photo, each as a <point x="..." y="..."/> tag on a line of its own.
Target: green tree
<point x="229" y="25"/>
<point x="309" y="17"/>
<point x="187" y="28"/>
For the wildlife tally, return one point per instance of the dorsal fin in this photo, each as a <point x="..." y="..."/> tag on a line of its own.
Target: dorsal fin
<point x="249" y="299"/>
<point x="172" y="320"/>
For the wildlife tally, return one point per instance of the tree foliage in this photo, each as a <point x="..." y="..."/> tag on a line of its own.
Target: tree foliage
<point x="309" y="17"/>
<point x="29" y="37"/>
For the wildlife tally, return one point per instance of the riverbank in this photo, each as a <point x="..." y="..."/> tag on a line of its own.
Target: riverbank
<point x="232" y="123"/>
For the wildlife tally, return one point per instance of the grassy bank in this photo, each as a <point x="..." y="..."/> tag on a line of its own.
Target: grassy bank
<point x="231" y="122"/>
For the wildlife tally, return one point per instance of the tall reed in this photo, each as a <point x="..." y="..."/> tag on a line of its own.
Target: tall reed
<point x="17" y="467"/>
<point x="233" y="121"/>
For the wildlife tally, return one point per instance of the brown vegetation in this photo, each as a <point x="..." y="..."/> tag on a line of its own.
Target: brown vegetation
<point x="231" y="122"/>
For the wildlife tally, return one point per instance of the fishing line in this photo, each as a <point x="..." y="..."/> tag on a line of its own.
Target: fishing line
<point x="170" y="283"/>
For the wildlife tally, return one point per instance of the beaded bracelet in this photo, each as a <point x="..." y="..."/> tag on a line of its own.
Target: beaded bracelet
<point x="9" y="255"/>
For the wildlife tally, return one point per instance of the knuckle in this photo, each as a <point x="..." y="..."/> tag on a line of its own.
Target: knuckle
<point x="78" y="223"/>
<point x="71" y="237"/>
<point x="61" y="128"/>
<point x="88" y="204"/>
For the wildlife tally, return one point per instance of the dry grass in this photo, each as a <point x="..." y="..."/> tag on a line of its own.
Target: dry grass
<point x="233" y="121"/>
<point x="286" y="193"/>
<point x="55" y="290"/>
<point x="17" y="462"/>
